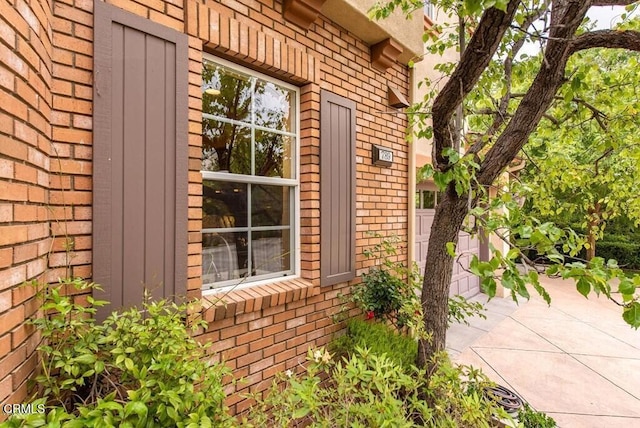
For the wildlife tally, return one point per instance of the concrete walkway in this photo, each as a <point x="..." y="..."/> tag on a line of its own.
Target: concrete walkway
<point x="577" y="360"/>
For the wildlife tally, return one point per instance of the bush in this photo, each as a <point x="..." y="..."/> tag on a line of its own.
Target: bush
<point x="138" y="368"/>
<point x="627" y="254"/>
<point x="369" y="390"/>
<point x="380" y="339"/>
<point x="389" y="291"/>
<point x="530" y="418"/>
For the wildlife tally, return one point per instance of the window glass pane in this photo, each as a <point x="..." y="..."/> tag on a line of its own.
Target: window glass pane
<point x="417" y="200"/>
<point x="226" y="147"/>
<point x="274" y="108"/>
<point x="224" y="256"/>
<point x="226" y="93"/>
<point x="249" y="128"/>
<point x="274" y="155"/>
<point x="270" y="205"/>
<point x="428" y="199"/>
<point x="224" y="204"/>
<point x="271" y="251"/>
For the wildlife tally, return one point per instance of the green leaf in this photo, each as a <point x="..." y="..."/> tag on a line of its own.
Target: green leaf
<point x="627" y="286"/>
<point x="489" y="286"/>
<point x="86" y="359"/>
<point x="631" y="315"/>
<point x="136" y="407"/>
<point x="584" y="287"/>
<point x="451" y="249"/>
<point x="300" y="413"/>
<point x="128" y="363"/>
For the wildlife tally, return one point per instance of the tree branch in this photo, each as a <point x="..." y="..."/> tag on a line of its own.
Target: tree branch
<point x="612" y="2"/>
<point x="565" y="20"/>
<point x="475" y="59"/>
<point x="627" y="39"/>
<point x="501" y="115"/>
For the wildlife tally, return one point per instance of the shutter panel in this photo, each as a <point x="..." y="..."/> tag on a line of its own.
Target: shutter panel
<point x="140" y="153"/>
<point x="337" y="189"/>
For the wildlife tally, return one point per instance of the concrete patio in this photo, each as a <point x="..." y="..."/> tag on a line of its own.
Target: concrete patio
<point x="577" y="360"/>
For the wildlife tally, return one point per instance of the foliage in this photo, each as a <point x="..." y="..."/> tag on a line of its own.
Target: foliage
<point x="389" y="290"/>
<point x="503" y="95"/>
<point x="627" y="254"/>
<point x="138" y="368"/>
<point x="369" y="390"/>
<point x="461" y="309"/>
<point x="529" y="418"/>
<point x="379" y="338"/>
<point x="582" y="161"/>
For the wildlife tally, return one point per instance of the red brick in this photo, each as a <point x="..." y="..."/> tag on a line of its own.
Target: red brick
<point x="10" y="319"/>
<point x="249" y="359"/>
<point x="5" y="345"/>
<point x="260" y="344"/>
<point x="12" y="276"/>
<point x="249" y="337"/>
<point x="261" y="365"/>
<point x="6" y="388"/>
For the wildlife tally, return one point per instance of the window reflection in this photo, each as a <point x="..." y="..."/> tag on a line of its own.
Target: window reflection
<point x="273" y="155"/>
<point x="270" y="205"/>
<point x="248" y="129"/>
<point x="226" y="147"/>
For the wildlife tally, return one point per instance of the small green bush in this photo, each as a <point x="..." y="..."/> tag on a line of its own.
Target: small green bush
<point x="388" y="289"/>
<point x="530" y="418"/>
<point x="139" y="368"/>
<point x="626" y="253"/>
<point x="369" y="390"/>
<point x="380" y="339"/>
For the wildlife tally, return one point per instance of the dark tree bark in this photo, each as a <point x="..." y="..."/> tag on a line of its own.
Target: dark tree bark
<point x="566" y="17"/>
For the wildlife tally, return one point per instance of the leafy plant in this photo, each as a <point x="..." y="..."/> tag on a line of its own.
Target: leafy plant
<point x="379" y="338"/>
<point x="389" y="290"/>
<point x="138" y="368"/>
<point x="530" y="418"/>
<point x="365" y="389"/>
<point x="461" y="309"/>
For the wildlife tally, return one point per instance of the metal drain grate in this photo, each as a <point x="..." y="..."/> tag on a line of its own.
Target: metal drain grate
<point x="505" y="398"/>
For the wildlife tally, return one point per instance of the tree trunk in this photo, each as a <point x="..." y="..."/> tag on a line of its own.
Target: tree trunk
<point x="450" y="213"/>
<point x="566" y="16"/>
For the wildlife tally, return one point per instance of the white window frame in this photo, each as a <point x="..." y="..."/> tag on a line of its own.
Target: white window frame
<point x="293" y="183"/>
<point x="428" y="9"/>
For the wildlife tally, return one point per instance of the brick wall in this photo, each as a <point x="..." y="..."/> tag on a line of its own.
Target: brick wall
<point x="25" y="133"/>
<point x="257" y="331"/>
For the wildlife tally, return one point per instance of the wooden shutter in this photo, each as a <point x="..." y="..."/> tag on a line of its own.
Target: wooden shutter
<point x="140" y="153"/>
<point x="337" y="189"/>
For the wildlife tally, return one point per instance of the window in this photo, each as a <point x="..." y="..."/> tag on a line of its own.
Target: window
<point x="249" y="176"/>
<point x="428" y="9"/>
<point x="427" y="199"/>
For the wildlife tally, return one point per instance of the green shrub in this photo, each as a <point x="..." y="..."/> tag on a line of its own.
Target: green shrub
<point x="626" y="253"/>
<point x="369" y="390"/>
<point x="530" y="418"/>
<point x="380" y="339"/>
<point x="139" y="368"/>
<point x="390" y="290"/>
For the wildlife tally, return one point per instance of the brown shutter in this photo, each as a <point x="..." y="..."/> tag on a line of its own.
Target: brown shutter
<point x="140" y="155"/>
<point x="337" y="189"/>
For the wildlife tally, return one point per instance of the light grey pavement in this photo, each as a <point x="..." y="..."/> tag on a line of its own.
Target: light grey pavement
<point x="576" y="360"/>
